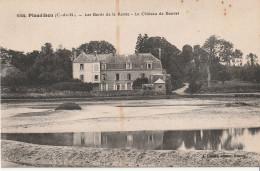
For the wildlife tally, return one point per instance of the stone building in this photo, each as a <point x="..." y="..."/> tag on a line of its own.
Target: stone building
<point x="116" y="72"/>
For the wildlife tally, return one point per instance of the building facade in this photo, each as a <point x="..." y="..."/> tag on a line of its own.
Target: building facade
<point x="116" y="72"/>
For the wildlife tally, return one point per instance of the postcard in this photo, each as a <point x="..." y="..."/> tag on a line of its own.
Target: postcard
<point x="130" y="83"/>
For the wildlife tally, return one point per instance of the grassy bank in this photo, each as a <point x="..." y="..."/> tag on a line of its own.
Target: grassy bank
<point x="66" y="156"/>
<point x="232" y="86"/>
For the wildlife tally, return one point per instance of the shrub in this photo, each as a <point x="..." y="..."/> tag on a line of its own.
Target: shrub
<point x="137" y="84"/>
<point x="68" y="106"/>
<point x="194" y="87"/>
<point x="73" y="86"/>
<point x="14" y="80"/>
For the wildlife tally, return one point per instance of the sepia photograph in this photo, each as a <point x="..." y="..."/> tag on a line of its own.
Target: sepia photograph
<point x="130" y="83"/>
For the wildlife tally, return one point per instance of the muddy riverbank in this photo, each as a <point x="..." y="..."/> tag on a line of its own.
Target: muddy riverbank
<point x="132" y="115"/>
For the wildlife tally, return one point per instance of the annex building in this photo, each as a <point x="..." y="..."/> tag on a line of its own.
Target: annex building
<point x="117" y="72"/>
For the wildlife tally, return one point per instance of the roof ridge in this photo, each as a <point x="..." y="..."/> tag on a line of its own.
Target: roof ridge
<point x="159" y="81"/>
<point x="87" y="56"/>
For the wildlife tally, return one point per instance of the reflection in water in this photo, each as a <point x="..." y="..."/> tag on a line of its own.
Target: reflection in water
<point x="226" y="139"/>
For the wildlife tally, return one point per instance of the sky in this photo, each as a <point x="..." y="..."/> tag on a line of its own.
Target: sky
<point x="237" y="21"/>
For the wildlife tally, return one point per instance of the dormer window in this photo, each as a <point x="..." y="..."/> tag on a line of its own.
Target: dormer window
<point x="103" y="66"/>
<point x="149" y="65"/>
<point x="128" y="65"/>
<point x="81" y="66"/>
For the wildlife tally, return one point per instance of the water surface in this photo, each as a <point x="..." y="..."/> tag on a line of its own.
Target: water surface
<point x="246" y="139"/>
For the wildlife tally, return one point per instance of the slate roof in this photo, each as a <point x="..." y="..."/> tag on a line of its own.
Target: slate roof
<point x="114" y="61"/>
<point x="85" y="58"/>
<point x="111" y="58"/>
<point x="159" y="81"/>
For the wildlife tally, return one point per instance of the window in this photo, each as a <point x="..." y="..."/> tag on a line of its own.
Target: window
<point x="81" y="67"/>
<point x="128" y="76"/>
<point x="104" y="77"/>
<point x="149" y="65"/>
<point x="104" y="87"/>
<point x="95" y="67"/>
<point x="118" y="87"/>
<point x="150" y="138"/>
<point x="81" y="77"/>
<point x="130" y="138"/>
<point x="129" y="86"/>
<point x="103" y="66"/>
<point x="117" y="77"/>
<point x="104" y="138"/>
<point x="142" y="75"/>
<point x="96" y="77"/>
<point x="82" y="140"/>
<point x="128" y="65"/>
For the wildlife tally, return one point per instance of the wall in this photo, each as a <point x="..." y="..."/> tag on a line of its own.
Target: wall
<point x="111" y="76"/>
<point x="88" y="71"/>
<point x="116" y="93"/>
<point x="96" y="72"/>
<point x="160" y="88"/>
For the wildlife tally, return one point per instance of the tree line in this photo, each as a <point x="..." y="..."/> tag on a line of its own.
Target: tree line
<point x="47" y="66"/>
<point x="215" y="60"/>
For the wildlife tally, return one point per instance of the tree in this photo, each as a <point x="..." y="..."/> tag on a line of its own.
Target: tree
<point x="3" y="55"/>
<point x="223" y="74"/>
<point x="51" y="67"/>
<point x="152" y="45"/>
<point x="63" y="60"/>
<point x="138" y="43"/>
<point x="47" y="48"/>
<point x="212" y="47"/>
<point x="237" y="57"/>
<point x="226" y="51"/>
<point x="200" y="62"/>
<point x="218" y="50"/>
<point x="252" y="59"/>
<point x="29" y="59"/>
<point x="16" y="59"/>
<point x="20" y="60"/>
<point x="164" y="51"/>
<point x="101" y="47"/>
<point x="187" y="53"/>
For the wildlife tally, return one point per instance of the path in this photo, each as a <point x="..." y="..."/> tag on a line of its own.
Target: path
<point x="180" y="91"/>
